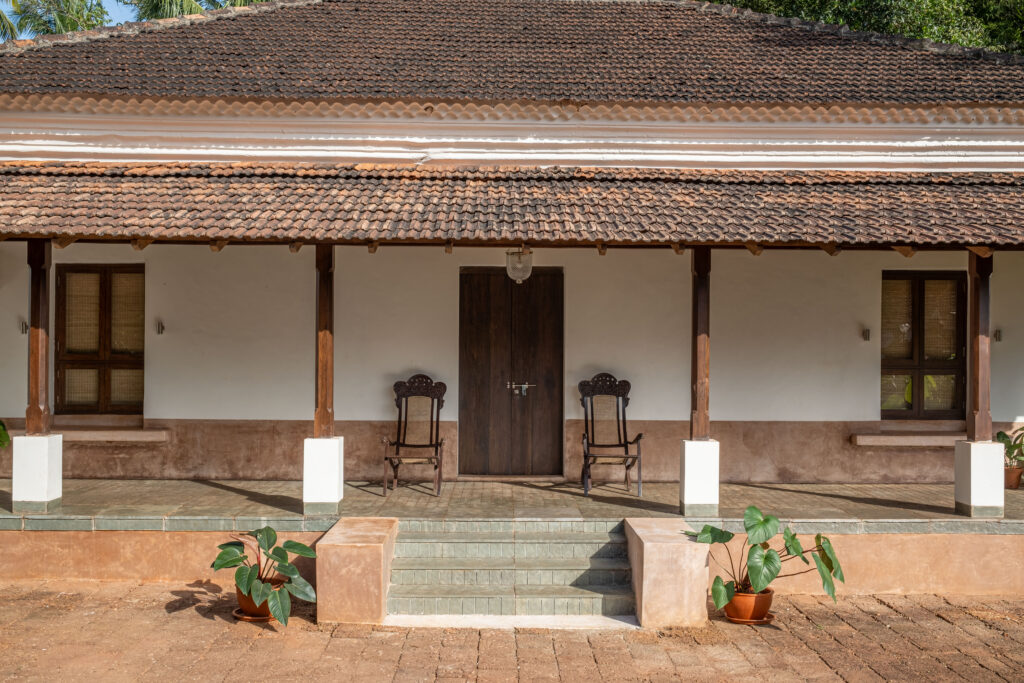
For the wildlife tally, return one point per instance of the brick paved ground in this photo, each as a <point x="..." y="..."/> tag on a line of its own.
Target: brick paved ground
<point x="116" y="631"/>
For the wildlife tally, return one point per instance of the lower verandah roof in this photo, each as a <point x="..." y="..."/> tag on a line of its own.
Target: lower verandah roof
<point x="300" y="202"/>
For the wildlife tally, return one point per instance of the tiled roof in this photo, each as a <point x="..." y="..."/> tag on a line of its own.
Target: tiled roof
<point x="507" y="50"/>
<point x="285" y="202"/>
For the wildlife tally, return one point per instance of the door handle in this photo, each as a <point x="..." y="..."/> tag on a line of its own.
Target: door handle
<point x="519" y="389"/>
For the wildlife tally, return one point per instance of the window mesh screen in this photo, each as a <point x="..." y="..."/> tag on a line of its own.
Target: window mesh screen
<point x="940" y="320"/>
<point x="897" y="392"/>
<point x="127" y="312"/>
<point x="125" y="386"/>
<point x="939" y="392"/>
<point x="82" y="313"/>
<point x="897" y="320"/>
<point x="82" y="386"/>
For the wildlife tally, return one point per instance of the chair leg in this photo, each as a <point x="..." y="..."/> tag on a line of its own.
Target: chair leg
<point x="639" y="476"/>
<point x="586" y="476"/>
<point x="629" y="488"/>
<point x="439" y="469"/>
<point x="387" y="475"/>
<point x="395" y="464"/>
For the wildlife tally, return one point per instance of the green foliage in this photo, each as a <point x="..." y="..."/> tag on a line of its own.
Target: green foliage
<point x="763" y="563"/>
<point x="993" y="24"/>
<point x="165" y="9"/>
<point x="1013" y="447"/>
<point x="5" y="438"/>
<point x="260" y="564"/>
<point x="39" y="17"/>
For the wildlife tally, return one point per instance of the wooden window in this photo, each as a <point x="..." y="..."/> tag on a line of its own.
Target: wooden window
<point x="99" y="338"/>
<point x="924" y="355"/>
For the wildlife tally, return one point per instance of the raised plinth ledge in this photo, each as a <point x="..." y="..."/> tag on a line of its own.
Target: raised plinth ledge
<point x="116" y="436"/>
<point x="353" y="570"/>
<point x="670" y="573"/>
<point x="908" y="440"/>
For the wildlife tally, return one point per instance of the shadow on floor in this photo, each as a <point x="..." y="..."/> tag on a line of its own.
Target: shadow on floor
<point x="861" y="500"/>
<point x="5" y="501"/>
<point x="205" y="598"/>
<point x="285" y="503"/>
<point x="601" y="496"/>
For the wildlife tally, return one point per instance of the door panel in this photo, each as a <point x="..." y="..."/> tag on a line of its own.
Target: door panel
<point x="510" y="332"/>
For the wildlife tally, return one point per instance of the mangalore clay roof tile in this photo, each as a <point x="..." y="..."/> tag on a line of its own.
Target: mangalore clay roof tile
<point x="506" y="50"/>
<point x="282" y="201"/>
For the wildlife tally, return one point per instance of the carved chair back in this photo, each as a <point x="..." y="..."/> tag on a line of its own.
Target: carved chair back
<point x="419" y="400"/>
<point x="604" y="400"/>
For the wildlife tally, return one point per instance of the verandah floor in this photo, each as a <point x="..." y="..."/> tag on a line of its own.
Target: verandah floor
<point x="223" y="505"/>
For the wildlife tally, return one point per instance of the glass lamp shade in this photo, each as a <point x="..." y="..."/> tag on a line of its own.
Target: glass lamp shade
<point x="518" y="265"/>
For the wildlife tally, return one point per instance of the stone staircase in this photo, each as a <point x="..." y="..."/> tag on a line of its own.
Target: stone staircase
<point x="506" y="567"/>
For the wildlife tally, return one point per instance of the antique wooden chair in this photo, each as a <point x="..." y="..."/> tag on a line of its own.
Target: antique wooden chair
<point x="605" y="439"/>
<point x="417" y="437"/>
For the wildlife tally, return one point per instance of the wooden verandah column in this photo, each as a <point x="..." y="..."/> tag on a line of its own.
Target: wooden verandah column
<point x="700" y="346"/>
<point x="323" y="416"/>
<point x="979" y="419"/>
<point x="37" y="414"/>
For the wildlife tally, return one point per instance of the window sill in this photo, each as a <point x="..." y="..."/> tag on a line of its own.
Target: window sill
<point x="908" y="439"/>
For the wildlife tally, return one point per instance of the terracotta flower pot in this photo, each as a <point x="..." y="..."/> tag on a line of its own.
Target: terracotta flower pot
<point x="748" y="607"/>
<point x="1012" y="476"/>
<point x="249" y="608"/>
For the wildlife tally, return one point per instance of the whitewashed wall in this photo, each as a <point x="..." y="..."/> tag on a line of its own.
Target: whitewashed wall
<point x="786" y="328"/>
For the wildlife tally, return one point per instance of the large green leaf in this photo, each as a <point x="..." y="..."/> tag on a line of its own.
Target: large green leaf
<point x="300" y="549"/>
<point x="244" y="576"/>
<point x="287" y="569"/>
<point x="279" y="554"/>
<point x="759" y="527"/>
<point x="266" y="537"/>
<point x="762" y="567"/>
<point x="301" y="589"/>
<point x="280" y="605"/>
<point x="228" y="558"/>
<point x="259" y="592"/>
<point x="711" y="534"/>
<point x="233" y="544"/>
<point x="722" y="592"/>
<point x="793" y="546"/>
<point x="828" y="556"/>
<point x="826" y="577"/>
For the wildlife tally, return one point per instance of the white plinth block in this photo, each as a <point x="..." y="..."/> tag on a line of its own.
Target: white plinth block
<point x="37" y="481"/>
<point x="698" y="478"/>
<point x="323" y="475"/>
<point x="978" y="472"/>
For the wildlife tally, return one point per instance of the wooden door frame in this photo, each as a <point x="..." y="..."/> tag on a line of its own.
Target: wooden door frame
<point x="561" y="406"/>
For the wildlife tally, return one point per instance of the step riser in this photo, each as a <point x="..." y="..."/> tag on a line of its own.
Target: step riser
<point x="609" y="605"/>
<point x="511" y="549"/>
<point x="476" y="526"/>
<point x="510" y="577"/>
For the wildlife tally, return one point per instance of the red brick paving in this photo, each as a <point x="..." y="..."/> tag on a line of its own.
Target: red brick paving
<point x="74" y="630"/>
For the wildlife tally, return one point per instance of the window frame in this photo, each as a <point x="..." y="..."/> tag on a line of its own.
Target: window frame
<point x="105" y="359"/>
<point x="916" y="366"/>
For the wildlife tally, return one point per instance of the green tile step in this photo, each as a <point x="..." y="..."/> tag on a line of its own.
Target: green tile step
<point x="462" y="571"/>
<point x="507" y="600"/>
<point x="511" y="544"/>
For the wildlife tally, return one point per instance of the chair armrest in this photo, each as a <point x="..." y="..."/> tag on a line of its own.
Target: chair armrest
<point x="637" y="438"/>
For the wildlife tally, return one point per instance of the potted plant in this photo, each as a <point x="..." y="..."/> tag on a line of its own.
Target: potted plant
<point x="1013" y="457"/>
<point x="264" y="577"/>
<point x="5" y="438"/>
<point x="746" y="597"/>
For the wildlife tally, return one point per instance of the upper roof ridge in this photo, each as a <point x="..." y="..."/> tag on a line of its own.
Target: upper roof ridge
<point x="726" y="10"/>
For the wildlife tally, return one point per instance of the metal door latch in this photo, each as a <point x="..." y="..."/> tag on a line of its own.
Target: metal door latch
<point x="519" y="389"/>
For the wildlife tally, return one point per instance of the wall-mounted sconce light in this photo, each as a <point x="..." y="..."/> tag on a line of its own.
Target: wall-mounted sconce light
<point x="997" y="335"/>
<point x="22" y="326"/>
<point x="159" y="326"/>
<point x="865" y="333"/>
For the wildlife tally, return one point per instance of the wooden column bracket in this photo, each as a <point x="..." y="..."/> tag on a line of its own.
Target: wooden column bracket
<point x="294" y="247"/>
<point x="700" y="345"/>
<point x="37" y="414"/>
<point x="979" y="419"/>
<point x="905" y="251"/>
<point x="679" y="248"/>
<point x="983" y="252"/>
<point x="831" y="249"/>
<point x="217" y="245"/>
<point x="141" y="243"/>
<point x="65" y="241"/>
<point x="754" y="248"/>
<point x="323" y="416"/>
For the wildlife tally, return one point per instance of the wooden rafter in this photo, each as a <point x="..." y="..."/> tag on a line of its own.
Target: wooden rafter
<point x="602" y="248"/>
<point x="905" y="251"/>
<point x="372" y="247"/>
<point x="754" y="248"/>
<point x="294" y="247"/>
<point x="678" y="247"/>
<point x="64" y="241"/>
<point x="831" y="248"/>
<point x="983" y="252"/>
<point x="141" y="243"/>
<point x="217" y="245"/>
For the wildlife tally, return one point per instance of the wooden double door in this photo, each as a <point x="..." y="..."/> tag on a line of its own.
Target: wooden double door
<point x="510" y="372"/>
